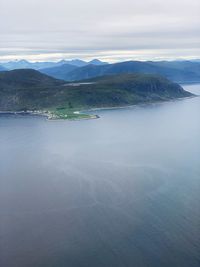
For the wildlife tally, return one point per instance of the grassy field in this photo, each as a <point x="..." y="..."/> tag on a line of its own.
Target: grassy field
<point x="66" y="113"/>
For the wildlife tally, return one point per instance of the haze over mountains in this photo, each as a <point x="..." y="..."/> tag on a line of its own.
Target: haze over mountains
<point x="73" y="70"/>
<point x="60" y="72"/>
<point x="178" y="71"/>
<point x="2" y="68"/>
<point x="24" y="64"/>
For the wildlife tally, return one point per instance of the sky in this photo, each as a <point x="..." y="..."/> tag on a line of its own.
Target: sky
<point x="111" y="30"/>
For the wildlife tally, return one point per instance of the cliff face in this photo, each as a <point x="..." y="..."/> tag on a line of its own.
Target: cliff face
<point x="29" y="89"/>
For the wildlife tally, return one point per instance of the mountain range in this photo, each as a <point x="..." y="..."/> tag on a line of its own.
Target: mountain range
<point x="74" y="70"/>
<point x="24" y="64"/>
<point x="178" y="71"/>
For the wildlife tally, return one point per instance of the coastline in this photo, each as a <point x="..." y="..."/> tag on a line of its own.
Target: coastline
<point x="50" y="116"/>
<point x="139" y="104"/>
<point x="80" y="114"/>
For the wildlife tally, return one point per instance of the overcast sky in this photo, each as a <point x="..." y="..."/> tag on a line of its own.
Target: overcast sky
<point x="112" y="30"/>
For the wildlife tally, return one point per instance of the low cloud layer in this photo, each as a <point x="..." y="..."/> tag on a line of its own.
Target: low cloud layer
<point x="111" y="30"/>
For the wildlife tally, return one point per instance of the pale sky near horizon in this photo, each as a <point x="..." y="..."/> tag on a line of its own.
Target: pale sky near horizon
<point x="111" y="30"/>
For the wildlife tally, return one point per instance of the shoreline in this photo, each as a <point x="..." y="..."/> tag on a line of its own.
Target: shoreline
<point x="139" y="104"/>
<point x="51" y="116"/>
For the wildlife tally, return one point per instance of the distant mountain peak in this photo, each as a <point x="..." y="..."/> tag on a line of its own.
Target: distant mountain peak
<point x="23" y="61"/>
<point x="24" y="64"/>
<point x="97" y="62"/>
<point x="62" y="61"/>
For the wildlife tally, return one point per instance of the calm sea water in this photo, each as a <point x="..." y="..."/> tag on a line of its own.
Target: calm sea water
<point x="123" y="190"/>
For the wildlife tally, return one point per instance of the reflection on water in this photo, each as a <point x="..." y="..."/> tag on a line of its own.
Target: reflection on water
<point x="123" y="190"/>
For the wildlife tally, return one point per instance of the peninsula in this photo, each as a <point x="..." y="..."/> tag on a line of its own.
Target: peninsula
<point x="29" y="90"/>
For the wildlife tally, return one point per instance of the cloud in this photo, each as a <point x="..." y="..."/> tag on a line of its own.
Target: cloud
<point x="87" y="28"/>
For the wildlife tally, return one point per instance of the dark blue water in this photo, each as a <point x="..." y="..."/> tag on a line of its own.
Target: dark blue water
<point x="123" y="190"/>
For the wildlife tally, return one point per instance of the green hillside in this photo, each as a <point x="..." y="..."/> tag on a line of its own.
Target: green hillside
<point x="31" y="90"/>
